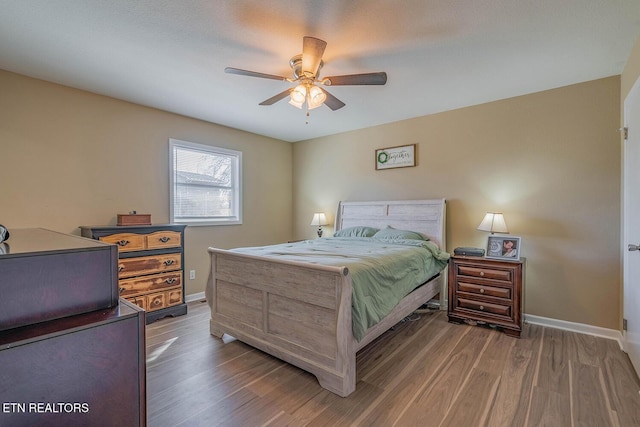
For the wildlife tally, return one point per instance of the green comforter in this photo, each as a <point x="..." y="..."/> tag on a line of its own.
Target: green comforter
<point x="382" y="271"/>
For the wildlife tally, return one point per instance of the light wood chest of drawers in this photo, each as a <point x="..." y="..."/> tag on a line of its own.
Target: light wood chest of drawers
<point x="150" y="265"/>
<point x="488" y="291"/>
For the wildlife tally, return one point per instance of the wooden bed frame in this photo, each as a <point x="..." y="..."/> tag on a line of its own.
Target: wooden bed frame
<point x="301" y="312"/>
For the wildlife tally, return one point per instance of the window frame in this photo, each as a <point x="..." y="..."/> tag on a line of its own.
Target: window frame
<point x="236" y="180"/>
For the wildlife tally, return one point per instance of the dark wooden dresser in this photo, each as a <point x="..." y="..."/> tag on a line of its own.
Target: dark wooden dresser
<point x="46" y="275"/>
<point x="67" y="364"/>
<point x="150" y="265"/>
<point x="489" y="291"/>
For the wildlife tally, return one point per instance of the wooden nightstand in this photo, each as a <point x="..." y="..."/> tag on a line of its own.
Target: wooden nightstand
<point x="483" y="290"/>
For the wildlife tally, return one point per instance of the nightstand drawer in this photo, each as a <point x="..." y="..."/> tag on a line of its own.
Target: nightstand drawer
<point x="485" y="273"/>
<point x="485" y="307"/>
<point x="491" y="291"/>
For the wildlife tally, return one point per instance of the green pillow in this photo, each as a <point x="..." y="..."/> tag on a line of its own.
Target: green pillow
<point x="392" y="233"/>
<point x="358" y="231"/>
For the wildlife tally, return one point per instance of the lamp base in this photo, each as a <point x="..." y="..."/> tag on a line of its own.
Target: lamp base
<point x="319" y="231"/>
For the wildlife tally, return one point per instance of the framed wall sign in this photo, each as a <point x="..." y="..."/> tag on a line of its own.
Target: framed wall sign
<point x="503" y="247"/>
<point x="396" y="157"/>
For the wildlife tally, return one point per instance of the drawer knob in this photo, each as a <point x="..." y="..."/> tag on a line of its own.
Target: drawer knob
<point x="165" y="239"/>
<point x="120" y="268"/>
<point x="122" y="242"/>
<point x="168" y="262"/>
<point x="122" y="290"/>
<point x="482" y="273"/>
<point x="481" y="307"/>
<point x="170" y="280"/>
<point x="482" y="290"/>
<point x="157" y="302"/>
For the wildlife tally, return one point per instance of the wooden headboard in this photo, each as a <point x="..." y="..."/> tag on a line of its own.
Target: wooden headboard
<point x="424" y="216"/>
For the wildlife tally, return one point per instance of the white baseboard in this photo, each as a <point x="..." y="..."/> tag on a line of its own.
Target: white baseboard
<point x="194" y="297"/>
<point x="597" y="331"/>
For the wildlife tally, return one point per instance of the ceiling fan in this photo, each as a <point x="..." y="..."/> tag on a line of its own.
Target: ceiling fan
<point x="306" y="72"/>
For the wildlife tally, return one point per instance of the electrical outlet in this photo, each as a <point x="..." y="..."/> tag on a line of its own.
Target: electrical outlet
<point x="192" y="274"/>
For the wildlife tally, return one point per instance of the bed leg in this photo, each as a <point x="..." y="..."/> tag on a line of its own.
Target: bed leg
<point x="342" y="382"/>
<point x="215" y="330"/>
<point x="343" y="387"/>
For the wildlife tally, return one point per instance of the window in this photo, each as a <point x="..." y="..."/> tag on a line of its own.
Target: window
<point x="206" y="184"/>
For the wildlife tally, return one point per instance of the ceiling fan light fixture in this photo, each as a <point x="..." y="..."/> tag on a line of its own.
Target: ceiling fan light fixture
<point x="296" y="104"/>
<point x="316" y="97"/>
<point x="299" y="94"/>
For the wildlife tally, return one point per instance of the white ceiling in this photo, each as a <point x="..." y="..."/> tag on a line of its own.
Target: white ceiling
<point x="438" y="54"/>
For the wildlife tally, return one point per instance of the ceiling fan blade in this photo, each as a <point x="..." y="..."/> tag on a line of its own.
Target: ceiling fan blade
<point x="277" y="97"/>
<point x="332" y="102"/>
<point x="240" y="72"/>
<point x="356" y="79"/>
<point x="312" y="51"/>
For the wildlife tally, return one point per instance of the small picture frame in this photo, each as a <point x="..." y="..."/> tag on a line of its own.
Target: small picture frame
<point x="503" y="247"/>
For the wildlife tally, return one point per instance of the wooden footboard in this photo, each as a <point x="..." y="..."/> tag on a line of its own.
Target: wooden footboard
<point x="297" y="312"/>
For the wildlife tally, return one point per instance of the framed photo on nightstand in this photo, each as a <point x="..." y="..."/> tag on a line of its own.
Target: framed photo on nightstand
<point x="503" y="247"/>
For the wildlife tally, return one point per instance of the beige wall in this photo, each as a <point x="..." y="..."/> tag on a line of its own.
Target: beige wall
<point x="71" y="158"/>
<point x="550" y="161"/>
<point x="631" y="71"/>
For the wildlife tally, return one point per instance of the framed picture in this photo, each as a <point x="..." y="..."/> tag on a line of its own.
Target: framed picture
<point x="396" y="157"/>
<point x="503" y="247"/>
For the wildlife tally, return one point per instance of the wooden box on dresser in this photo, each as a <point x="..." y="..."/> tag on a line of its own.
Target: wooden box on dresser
<point x="150" y="265"/>
<point x="483" y="290"/>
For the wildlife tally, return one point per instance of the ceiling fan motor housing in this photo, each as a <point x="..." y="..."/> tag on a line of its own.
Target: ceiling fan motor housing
<point x="296" y="65"/>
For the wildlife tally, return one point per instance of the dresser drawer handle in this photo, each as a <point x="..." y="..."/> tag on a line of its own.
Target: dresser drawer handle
<point x="482" y="273"/>
<point x="120" y="268"/>
<point x="122" y="290"/>
<point x="122" y="242"/>
<point x="165" y="239"/>
<point x="168" y="262"/>
<point x="170" y="280"/>
<point x="481" y="307"/>
<point x="482" y="290"/>
<point x="157" y="302"/>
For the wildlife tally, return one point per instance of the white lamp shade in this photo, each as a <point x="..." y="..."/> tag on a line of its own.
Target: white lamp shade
<point x="319" y="219"/>
<point x="493" y="222"/>
<point x="316" y="97"/>
<point x="299" y="94"/>
<point x="296" y="104"/>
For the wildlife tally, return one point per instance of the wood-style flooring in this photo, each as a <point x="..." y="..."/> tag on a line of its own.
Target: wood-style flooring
<point x="424" y="372"/>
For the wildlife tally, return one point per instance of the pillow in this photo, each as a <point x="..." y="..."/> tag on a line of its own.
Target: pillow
<point x="392" y="233"/>
<point x="358" y="231"/>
